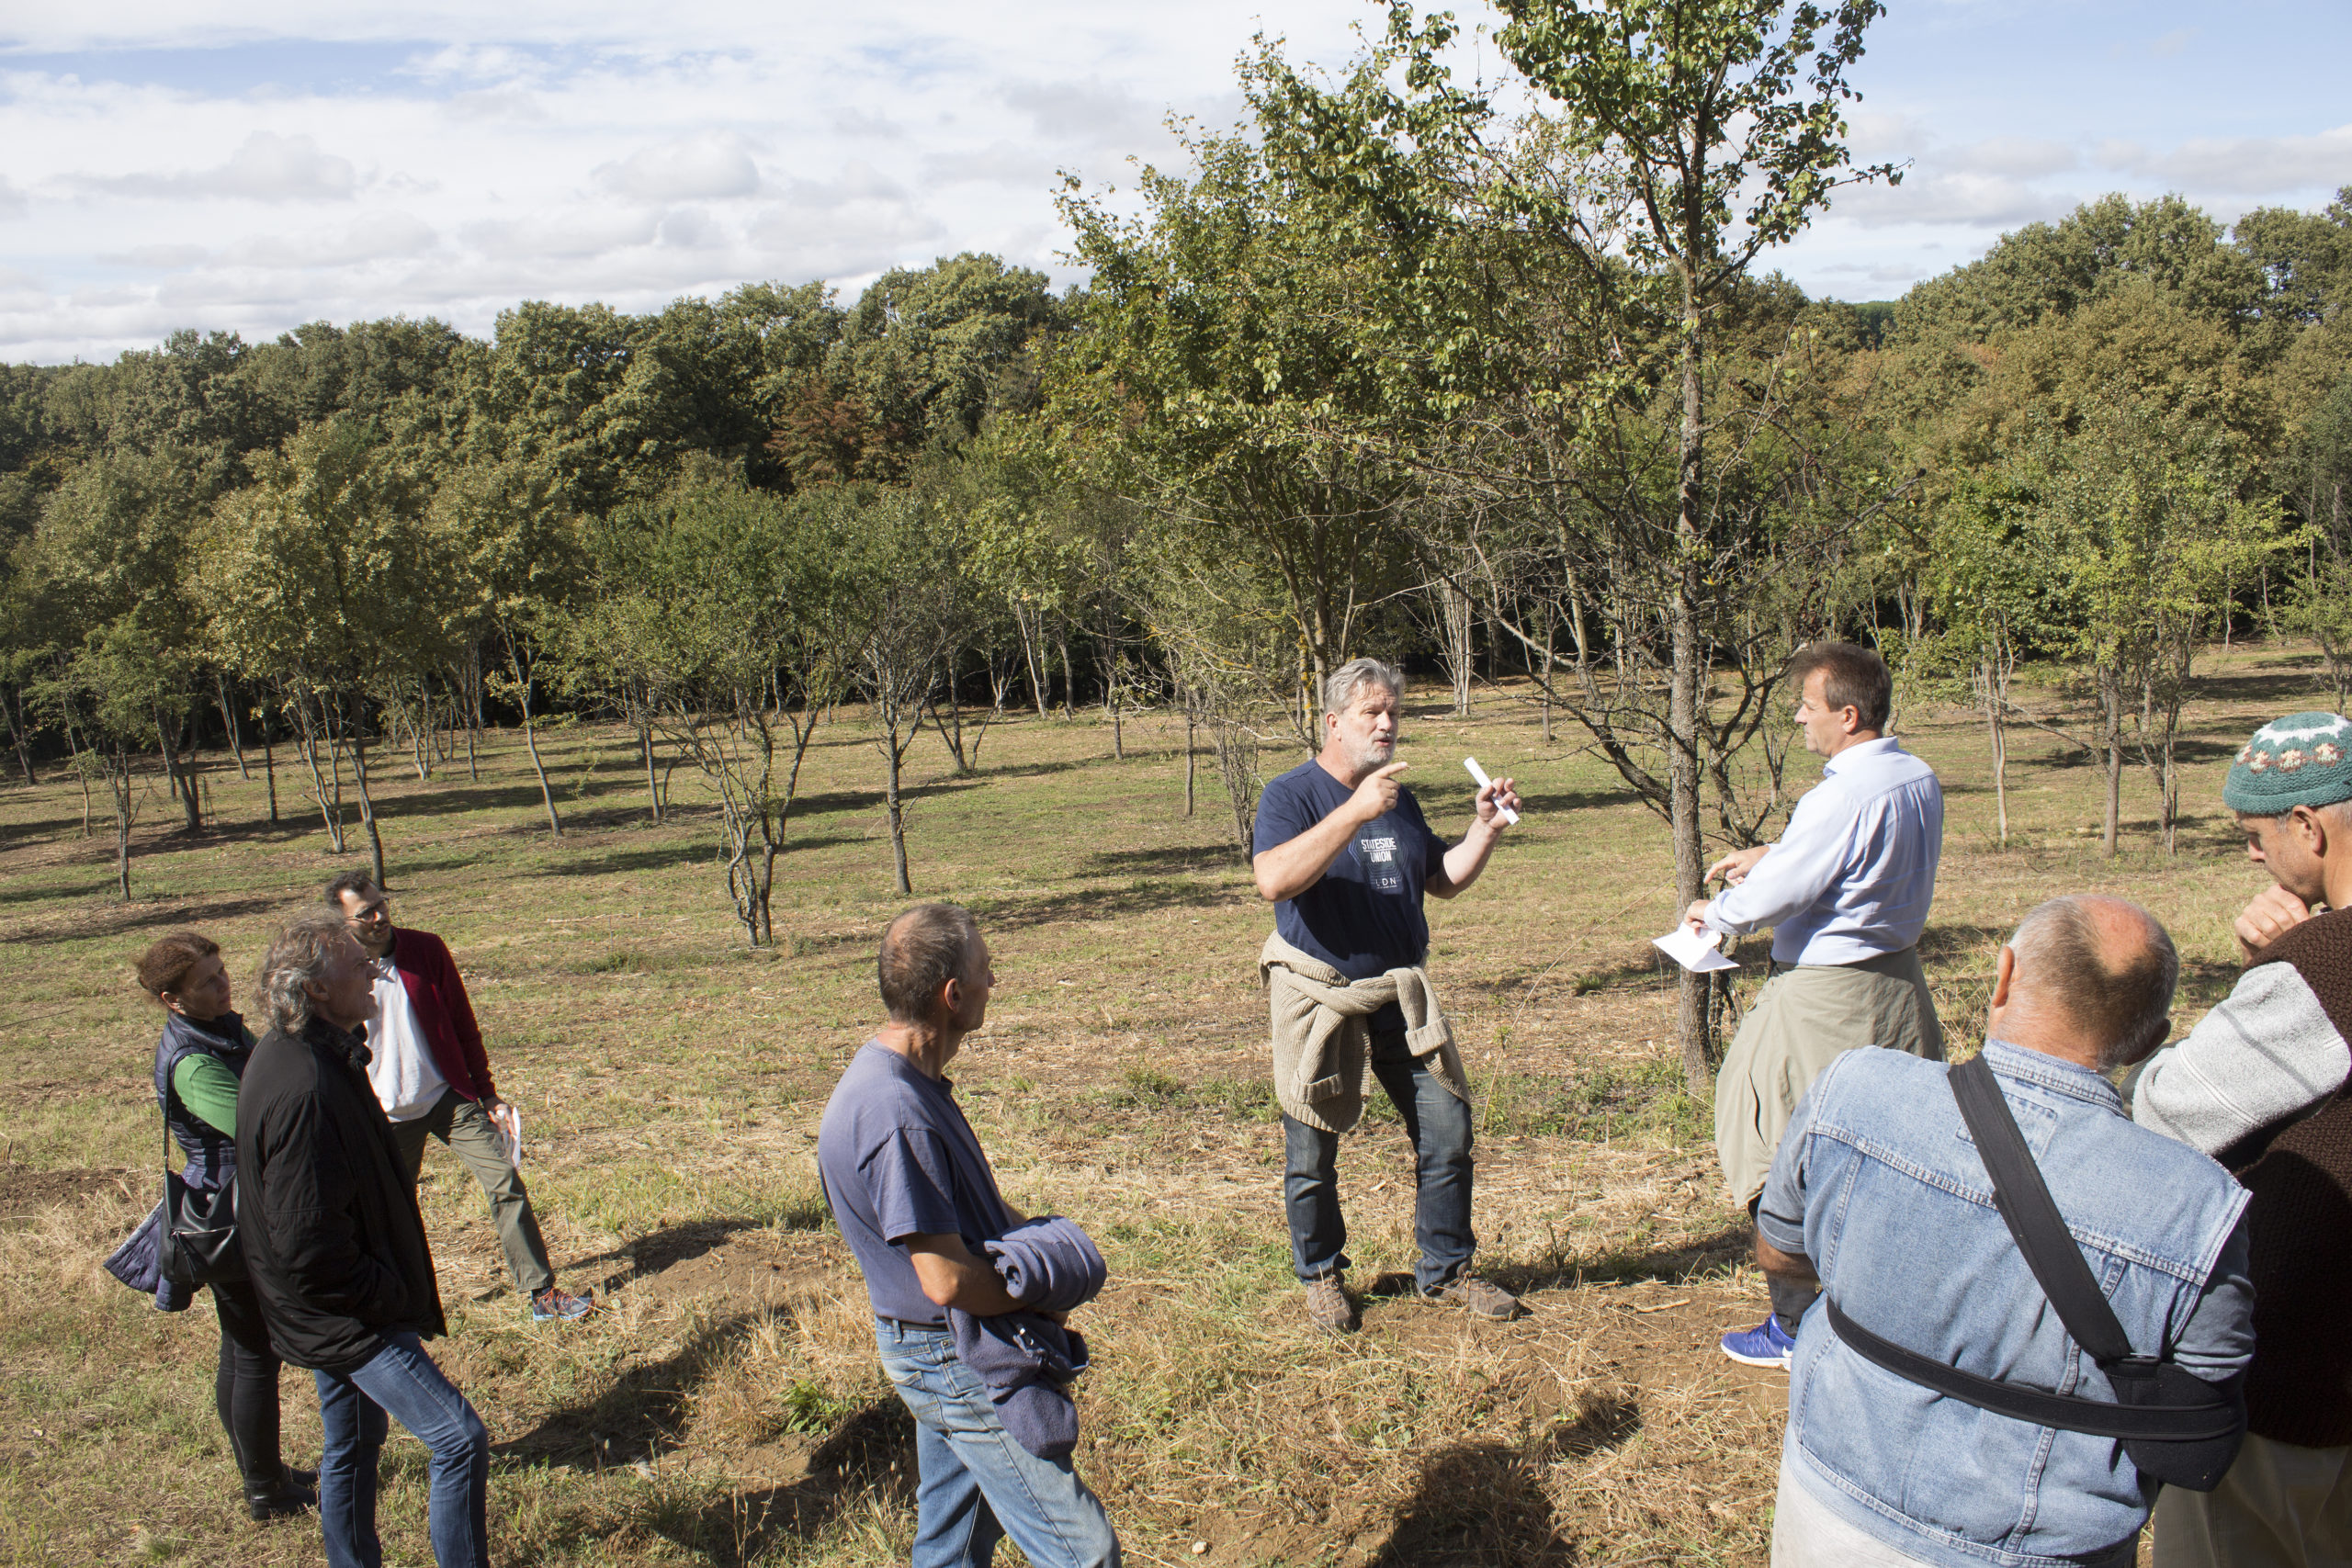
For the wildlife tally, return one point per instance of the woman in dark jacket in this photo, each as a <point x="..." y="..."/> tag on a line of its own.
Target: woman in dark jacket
<point x="197" y="1064"/>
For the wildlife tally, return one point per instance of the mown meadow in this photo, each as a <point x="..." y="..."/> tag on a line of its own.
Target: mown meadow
<point x="724" y="1407"/>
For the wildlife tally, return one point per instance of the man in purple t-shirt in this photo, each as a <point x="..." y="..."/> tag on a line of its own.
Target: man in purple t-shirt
<point x="916" y="1200"/>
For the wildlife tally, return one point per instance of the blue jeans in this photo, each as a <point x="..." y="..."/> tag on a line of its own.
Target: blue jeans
<point x="1437" y="1122"/>
<point x="974" y="1485"/>
<point x="402" y="1381"/>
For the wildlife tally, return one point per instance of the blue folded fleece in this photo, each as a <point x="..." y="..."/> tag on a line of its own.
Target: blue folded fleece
<point x="1026" y="1358"/>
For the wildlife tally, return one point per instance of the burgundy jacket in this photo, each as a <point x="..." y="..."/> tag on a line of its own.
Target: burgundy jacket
<point x="439" y="998"/>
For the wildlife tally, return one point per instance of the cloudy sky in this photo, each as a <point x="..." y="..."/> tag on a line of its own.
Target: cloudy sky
<point x="251" y="164"/>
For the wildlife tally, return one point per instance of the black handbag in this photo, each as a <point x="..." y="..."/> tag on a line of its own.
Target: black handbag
<point x="198" y="1245"/>
<point x="2177" y="1427"/>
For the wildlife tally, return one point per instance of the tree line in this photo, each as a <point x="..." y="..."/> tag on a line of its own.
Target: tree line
<point x="1387" y="367"/>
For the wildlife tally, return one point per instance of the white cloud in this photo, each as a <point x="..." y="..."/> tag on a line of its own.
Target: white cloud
<point x="378" y="236"/>
<point x="2011" y="157"/>
<point x="265" y="167"/>
<point x="2241" y="165"/>
<point x="708" y="167"/>
<point x="255" y="163"/>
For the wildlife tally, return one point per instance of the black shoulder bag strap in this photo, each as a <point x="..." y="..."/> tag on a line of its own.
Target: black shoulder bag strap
<point x="2177" y="1427"/>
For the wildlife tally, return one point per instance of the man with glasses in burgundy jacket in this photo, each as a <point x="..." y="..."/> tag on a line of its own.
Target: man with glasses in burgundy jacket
<point x="433" y="1078"/>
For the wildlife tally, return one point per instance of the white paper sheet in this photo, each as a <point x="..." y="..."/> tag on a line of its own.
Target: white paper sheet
<point x="1695" y="952"/>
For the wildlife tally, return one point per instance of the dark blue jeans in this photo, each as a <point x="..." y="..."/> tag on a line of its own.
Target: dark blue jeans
<point x="403" y="1382"/>
<point x="1437" y="1122"/>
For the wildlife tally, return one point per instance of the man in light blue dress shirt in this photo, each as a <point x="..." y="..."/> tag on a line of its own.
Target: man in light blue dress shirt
<point x="1846" y="892"/>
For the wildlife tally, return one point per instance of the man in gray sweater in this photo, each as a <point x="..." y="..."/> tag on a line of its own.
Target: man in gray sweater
<point x="2264" y="1085"/>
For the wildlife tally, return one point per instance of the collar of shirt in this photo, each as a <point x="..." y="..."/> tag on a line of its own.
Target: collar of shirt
<point x="1860" y="752"/>
<point x="2048" y="1072"/>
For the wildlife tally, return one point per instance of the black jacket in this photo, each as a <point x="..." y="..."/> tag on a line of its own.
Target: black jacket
<point x="327" y="1219"/>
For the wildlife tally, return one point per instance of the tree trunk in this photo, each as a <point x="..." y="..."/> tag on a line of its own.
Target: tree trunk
<point x="330" y="805"/>
<point x="356" y="726"/>
<point x="1190" y="762"/>
<point x="898" y="816"/>
<point x="228" y="723"/>
<point x="270" y="769"/>
<point x="1551" y="630"/>
<point x="1683" y="717"/>
<point x="12" y="708"/>
<point x="1031" y="636"/>
<point x="118" y="779"/>
<point x="531" y="739"/>
<point x="184" y="786"/>
<point x="2111" y="701"/>
<point x="653" y="785"/>
<point x="473" y="709"/>
<point x="1995" y="700"/>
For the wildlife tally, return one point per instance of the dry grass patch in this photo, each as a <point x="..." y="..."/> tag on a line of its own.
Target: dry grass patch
<point x="724" y="1407"/>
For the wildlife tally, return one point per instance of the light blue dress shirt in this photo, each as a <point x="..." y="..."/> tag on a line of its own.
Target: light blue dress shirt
<point x="1853" y="876"/>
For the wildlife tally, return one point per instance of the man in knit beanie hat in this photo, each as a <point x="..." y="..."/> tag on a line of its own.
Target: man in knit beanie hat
<point x="2262" y="1085"/>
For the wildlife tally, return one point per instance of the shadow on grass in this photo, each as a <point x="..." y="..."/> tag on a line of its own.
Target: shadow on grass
<point x="2302" y="686"/>
<point x="95" y="921"/>
<point x="1192" y="858"/>
<point x="1670" y="1265"/>
<point x="642" y="1414"/>
<point x="1485" y="1502"/>
<point x="1091" y="904"/>
<point x="658" y="1251"/>
<point x="871" y="1455"/>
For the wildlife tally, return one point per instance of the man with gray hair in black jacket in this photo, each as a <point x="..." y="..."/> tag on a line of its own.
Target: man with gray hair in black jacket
<point x="337" y="1253"/>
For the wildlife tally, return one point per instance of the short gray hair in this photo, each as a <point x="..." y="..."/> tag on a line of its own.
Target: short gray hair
<point x="923" y="949"/>
<point x="1340" y="687"/>
<point x="2122" y="1000"/>
<point x="297" y="953"/>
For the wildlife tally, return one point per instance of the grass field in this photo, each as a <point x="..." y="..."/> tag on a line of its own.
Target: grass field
<point x="725" y="1406"/>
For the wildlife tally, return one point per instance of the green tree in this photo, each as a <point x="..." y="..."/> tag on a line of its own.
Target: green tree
<point x="735" y="616"/>
<point x="325" y="579"/>
<point x="1726" y="120"/>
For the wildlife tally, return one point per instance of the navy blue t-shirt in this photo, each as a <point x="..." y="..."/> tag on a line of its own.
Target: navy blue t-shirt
<point x="1364" y="917"/>
<point x="897" y="1159"/>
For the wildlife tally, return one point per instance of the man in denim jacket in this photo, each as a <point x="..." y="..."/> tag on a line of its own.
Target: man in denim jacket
<point x="1879" y="1188"/>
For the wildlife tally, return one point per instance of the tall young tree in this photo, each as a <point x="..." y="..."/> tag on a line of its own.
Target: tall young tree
<point x="1728" y="118"/>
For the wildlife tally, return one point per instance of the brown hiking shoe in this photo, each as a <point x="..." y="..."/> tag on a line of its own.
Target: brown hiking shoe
<point x="1483" y="1298"/>
<point x="1327" y="1305"/>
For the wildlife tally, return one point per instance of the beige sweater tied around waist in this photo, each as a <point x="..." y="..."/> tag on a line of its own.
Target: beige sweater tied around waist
<point x="1322" y="1033"/>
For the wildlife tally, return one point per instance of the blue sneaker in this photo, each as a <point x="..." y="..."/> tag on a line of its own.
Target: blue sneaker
<point x="552" y="1306"/>
<point x="1766" y="1345"/>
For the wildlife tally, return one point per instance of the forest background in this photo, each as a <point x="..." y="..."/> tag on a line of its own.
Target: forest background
<point x="1391" y="367"/>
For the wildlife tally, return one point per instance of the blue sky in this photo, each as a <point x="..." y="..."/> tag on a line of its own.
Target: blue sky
<point x="251" y="164"/>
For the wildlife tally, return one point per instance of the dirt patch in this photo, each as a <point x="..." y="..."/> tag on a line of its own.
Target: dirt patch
<point x="26" y="1192"/>
<point x="725" y="1263"/>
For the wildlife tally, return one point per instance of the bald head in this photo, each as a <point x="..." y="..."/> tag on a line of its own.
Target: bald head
<point x="2086" y="979"/>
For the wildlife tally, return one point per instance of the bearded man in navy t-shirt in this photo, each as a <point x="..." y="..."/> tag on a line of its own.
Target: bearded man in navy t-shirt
<point x="1343" y="853"/>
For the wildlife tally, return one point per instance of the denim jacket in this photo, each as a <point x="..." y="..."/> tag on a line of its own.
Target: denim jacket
<point x="1878" y="1182"/>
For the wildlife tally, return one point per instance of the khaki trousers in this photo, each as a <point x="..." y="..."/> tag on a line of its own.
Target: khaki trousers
<point x="467" y="1128"/>
<point x="1805" y="1017"/>
<point x="2280" y="1506"/>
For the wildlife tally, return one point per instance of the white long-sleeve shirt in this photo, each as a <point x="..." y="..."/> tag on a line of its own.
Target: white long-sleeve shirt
<point x="401" y="1067"/>
<point x="1855" y="873"/>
